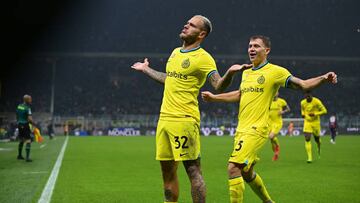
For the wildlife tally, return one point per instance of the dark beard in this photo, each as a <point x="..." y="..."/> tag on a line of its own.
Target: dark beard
<point x="189" y="39"/>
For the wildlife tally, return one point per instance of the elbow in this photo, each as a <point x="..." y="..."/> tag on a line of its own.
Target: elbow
<point x="304" y="86"/>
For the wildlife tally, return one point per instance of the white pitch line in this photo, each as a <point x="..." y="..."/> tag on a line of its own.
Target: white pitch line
<point x="42" y="146"/>
<point x="49" y="187"/>
<point x="6" y="149"/>
<point x="35" y="172"/>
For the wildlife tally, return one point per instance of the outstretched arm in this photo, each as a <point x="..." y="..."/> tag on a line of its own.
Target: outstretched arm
<point x="144" y="67"/>
<point x="220" y="83"/>
<point x="309" y="84"/>
<point x="233" y="96"/>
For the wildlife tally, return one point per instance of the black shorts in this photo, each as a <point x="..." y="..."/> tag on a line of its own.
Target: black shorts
<point x="24" y="131"/>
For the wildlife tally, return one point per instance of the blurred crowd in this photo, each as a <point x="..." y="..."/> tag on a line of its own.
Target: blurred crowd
<point x="108" y="86"/>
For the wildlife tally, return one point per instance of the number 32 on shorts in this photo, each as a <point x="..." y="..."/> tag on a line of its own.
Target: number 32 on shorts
<point x="181" y="142"/>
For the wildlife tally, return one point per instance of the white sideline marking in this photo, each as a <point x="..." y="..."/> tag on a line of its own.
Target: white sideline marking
<point x="49" y="187"/>
<point x="42" y="146"/>
<point x="6" y="149"/>
<point x="35" y="172"/>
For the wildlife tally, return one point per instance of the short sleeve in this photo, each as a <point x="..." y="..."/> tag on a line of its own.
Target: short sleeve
<point x="29" y="111"/>
<point x="207" y="64"/>
<point x="282" y="77"/>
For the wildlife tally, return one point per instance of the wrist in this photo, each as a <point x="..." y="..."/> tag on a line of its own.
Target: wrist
<point x="145" y="70"/>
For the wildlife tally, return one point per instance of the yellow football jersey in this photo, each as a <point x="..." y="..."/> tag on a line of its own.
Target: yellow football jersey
<point x="275" y="108"/>
<point x="186" y="72"/>
<point x="315" y="106"/>
<point x="258" y="88"/>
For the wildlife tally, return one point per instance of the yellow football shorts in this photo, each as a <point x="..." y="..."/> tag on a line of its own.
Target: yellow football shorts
<point x="312" y="128"/>
<point x="247" y="146"/>
<point x="177" y="140"/>
<point x="276" y="127"/>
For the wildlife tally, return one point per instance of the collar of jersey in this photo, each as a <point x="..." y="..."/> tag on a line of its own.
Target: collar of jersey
<point x="189" y="50"/>
<point x="260" y="66"/>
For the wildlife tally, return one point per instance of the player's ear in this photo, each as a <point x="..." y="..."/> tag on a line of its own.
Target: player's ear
<point x="202" y="34"/>
<point x="267" y="50"/>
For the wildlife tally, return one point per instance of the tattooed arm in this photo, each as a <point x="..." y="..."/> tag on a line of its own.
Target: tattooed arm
<point x="309" y="84"/>
<point x="144" y="67"/>
<point x="220" y="83"/>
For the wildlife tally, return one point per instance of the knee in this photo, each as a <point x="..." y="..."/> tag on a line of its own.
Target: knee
<point x="271" y="136"/>
<point x="234" y="170"/>
<point x="248" y="175"/>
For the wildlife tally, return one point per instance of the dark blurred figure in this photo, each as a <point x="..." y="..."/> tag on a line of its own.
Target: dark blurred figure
<point x="50" y="129"/>
<point x="333" y="128"/>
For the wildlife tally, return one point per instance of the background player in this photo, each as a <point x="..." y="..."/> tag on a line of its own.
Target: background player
<point x="311" y="110"/>
<point x="177" y="133"/>
<point x="258" y="87"/>
<point x="277" y="108"/>
<point x="333" y="128"/>
<point x="24" y="118"/>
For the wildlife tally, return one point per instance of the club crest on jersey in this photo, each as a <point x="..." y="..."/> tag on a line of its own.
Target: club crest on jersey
<point x="261" y="80"/>
<point x="185" y="63"/>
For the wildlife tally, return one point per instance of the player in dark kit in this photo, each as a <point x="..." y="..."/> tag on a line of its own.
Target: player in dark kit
<point x="333" y="128"/>
<point x="24" y="118"/>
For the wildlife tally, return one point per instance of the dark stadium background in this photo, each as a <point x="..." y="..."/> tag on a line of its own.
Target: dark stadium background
<point x="92" y="44"/>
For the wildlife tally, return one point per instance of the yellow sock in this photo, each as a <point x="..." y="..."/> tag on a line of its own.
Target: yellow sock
<point x="257" y="185"/>
<point x="237" y="188"/>
<point x="308" y="150"/>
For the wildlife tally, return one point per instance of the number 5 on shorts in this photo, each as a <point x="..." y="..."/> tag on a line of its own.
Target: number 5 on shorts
<point x="239" y="145"/>
<point x="178" y="143"/>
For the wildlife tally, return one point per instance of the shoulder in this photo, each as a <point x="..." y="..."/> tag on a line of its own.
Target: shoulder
<point x="317" y="100"/>
<point x="205" y="54"/>
<point x="274" y="66"/>
<point x="176" y="49"/>
<point x="278" y="68"/>
<point x="282" y="100"/>
<point x="303" y="101"/>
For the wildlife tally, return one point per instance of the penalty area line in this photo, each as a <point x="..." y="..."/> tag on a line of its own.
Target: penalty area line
<point x="49" y="187"/>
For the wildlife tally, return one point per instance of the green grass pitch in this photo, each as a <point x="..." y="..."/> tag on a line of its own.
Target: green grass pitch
<point x="123" y="169"/>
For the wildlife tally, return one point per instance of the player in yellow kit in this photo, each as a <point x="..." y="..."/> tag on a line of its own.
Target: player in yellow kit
<point x="178" y="130"/>
<point x="277" y="108"/>
<point x="257" y="89"/>
<point x="311" y="110"/>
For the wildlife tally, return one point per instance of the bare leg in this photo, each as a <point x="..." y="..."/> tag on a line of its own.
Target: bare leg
<point x="198" y="188"/>
<point x="170" y="179"/>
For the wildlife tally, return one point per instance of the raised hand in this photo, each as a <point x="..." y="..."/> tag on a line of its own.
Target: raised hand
<point x="141" y="66"/>
<point x="207" y="96"/>
<point x="236" y="67"/>
<point x="331" y="77"/>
